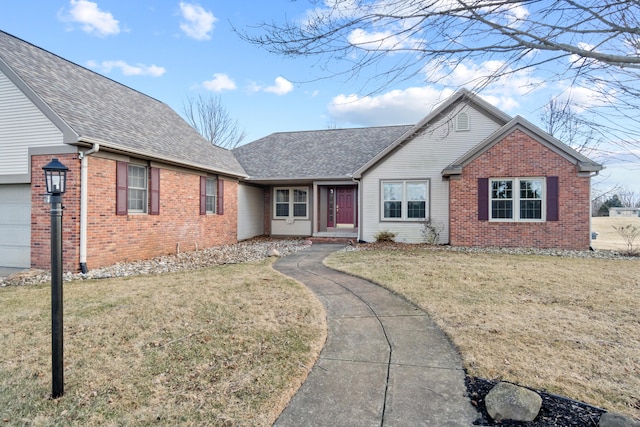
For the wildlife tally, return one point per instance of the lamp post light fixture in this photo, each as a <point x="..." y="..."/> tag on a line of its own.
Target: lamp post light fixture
<point x="55" y="174"/>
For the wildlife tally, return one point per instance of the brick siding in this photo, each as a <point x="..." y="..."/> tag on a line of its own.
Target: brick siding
<point x="115" y="238"/>
<point x="519" y="155"/>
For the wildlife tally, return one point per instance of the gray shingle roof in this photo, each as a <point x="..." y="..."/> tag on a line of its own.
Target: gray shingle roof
<point x="98" y="108"/>
<point x="331" y="153"/>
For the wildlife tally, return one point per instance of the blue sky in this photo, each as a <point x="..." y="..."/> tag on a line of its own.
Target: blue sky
<point x="170" y="49"/>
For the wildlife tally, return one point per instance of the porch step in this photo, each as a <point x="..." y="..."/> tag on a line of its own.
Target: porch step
<point x="333" y="239"/>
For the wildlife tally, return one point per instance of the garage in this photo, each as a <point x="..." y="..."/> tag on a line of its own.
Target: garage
<point x="15" y="225"/>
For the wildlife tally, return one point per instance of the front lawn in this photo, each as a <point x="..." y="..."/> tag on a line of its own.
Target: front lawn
<point x="567" y="325"/>
<point x="227" y="345"/>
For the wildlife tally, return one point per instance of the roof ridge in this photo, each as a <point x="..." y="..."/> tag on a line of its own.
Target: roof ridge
<point x="341" y="129"/>
<point x="78" y="65"/>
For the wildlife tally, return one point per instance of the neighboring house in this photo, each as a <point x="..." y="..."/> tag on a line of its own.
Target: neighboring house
<point x="624" y="212"/>
<point x="143" y="183"/>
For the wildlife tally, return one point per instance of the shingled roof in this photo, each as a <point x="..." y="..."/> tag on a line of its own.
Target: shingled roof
<point x="321" y="154"/>
<point x="95" y="108"/>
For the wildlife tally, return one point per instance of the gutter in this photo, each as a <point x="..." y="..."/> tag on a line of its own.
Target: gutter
<point x="84" y="160"/>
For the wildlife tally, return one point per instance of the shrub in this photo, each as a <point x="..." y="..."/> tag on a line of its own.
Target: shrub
<point x="385" y="236"/>
<point x="431" y="231"/>
<point x="629" y="233"/>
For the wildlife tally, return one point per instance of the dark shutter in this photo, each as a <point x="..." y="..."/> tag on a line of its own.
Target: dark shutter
<point x="553" y="213"/>
<point x="154" y="192"/>
<point x="122" y="173"/>
<point x="203" y="195"/>
<point x="220" y="207"/>
<point x="483" y="199"/>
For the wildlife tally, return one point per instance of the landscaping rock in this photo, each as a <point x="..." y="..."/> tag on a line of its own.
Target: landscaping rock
<point x="612" y="419"/>
<point x="507" y="401"/>
<point x="274" y="252"/>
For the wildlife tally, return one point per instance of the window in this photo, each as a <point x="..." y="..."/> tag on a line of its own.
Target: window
<point x="291" y="202"/>
<point x="211" y="191"/>
<point x="404" y="200"/>
<point x="137" y="188"/>
<point x="211" y="195"/>
<point x="516" y="199"/>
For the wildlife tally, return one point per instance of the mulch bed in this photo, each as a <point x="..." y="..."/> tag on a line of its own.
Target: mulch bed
<point x="556" y="411"/>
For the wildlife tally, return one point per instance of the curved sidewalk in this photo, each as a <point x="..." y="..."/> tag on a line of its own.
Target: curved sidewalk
<point x="384" y="363"/>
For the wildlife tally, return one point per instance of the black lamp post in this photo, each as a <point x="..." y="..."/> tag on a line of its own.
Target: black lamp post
<point x="55" y="174"/>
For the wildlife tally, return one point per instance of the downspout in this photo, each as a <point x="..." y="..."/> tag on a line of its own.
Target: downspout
<point x="84" y="160"/>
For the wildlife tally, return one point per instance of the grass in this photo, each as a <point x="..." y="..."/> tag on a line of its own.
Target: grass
<point x="567" y="325"/>
<point x="228" y="345"/>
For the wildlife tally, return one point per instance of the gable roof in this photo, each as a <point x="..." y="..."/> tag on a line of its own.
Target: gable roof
<point x="90" y="108"/>
<point x="583" y="163"/>
<point x="461" y="96"/>
<point x="309" y="155"/>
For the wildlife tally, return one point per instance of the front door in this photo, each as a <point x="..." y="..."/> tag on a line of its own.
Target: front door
<point x="345" y="207"/>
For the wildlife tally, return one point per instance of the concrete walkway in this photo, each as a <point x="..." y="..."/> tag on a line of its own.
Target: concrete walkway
<point x="384" y="363"/>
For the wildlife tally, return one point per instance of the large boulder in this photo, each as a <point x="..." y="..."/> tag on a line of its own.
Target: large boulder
<point x="507" y="401"/>
<point x="612" y="419"/>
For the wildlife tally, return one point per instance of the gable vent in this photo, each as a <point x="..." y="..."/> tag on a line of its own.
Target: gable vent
<point x="462" y="121"/>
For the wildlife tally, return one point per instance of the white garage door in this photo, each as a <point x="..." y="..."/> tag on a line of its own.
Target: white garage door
<point x="15" y="225"/>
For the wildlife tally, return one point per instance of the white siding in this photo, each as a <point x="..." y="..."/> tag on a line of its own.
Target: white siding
<point x="424" y="157"/>
<point x="292" y="227"/>
<point x="22" y="125"/>
<point x="250" y="212"/>
<point x="15" y="225"/>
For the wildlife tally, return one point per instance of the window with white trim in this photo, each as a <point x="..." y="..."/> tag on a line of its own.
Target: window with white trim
<point x="405" y="200"/>
<point x="517" y="199"/>
<point x="211" y="195"/>
<point x="137" y="184"/>
<point x="291" y="203"/>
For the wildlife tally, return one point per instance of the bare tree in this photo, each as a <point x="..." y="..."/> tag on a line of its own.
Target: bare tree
<point x="594" y="44"/>
<point x="209" y="117"/>
<point x="561" y="121"/>
<point x="629" y="198"/>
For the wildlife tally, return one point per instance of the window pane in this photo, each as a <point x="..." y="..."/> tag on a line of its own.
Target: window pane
<point x="300" y="209"/>
<point x="416" y="191"/>
<point x="531" y="189"/>
<point x="299" y="196"/>
<point x="501" y="209"/>
<point x="393" y="191"/>
<point x="530" y="209"/>
<point x="282" y="209"/>
<point x="416" y="209"/>
<point x="282" y="196"/>
<point x="502" y="189"/>
<point x="393" y="209"/>
<point x="211" y="187"/>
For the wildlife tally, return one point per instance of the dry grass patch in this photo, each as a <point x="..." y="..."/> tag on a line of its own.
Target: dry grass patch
<point x="608" y="238"/>
<point x="228" y="344"/>
<point x="567" y="325"/>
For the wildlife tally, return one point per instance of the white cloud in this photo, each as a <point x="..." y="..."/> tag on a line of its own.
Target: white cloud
<point x="219" y="83"/>
<point x="280" y="87"/>
<point x="197" y="23"/>
<point x="395" y="107"/>
<point x="381" y="40"/>
<point x="126" y="69"/>
<point x="503" y="91"/>
<point x="92" y="19"/>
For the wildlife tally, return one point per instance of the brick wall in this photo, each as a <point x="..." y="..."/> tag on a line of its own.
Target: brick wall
<point x="519" y="155"/>
<point x="115" y="238"/>
<point x="41" y="214"/>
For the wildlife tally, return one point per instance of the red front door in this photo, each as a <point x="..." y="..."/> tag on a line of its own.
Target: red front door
<point x="345" y="206"/>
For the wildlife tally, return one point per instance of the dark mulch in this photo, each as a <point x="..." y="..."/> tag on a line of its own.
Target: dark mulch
<point x="556" y="411"/>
